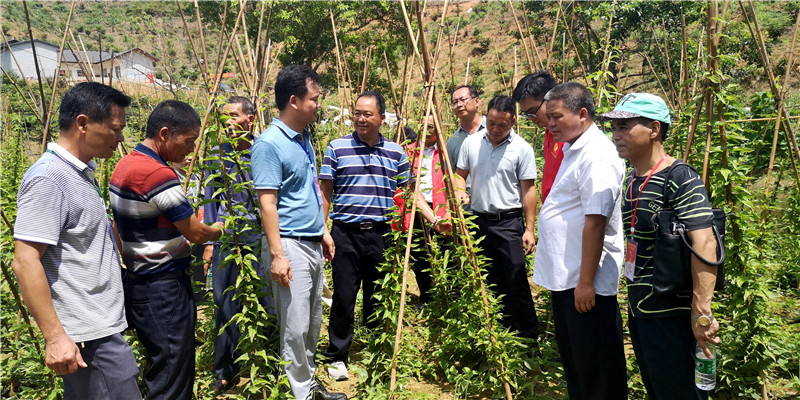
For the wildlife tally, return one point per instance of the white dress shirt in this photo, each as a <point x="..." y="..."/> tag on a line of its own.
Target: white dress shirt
<point x="589" y="182"/>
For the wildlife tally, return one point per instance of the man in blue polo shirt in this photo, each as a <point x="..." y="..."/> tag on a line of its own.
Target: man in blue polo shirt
<point x="360" y="174"/>
<point x="285" y="178"/>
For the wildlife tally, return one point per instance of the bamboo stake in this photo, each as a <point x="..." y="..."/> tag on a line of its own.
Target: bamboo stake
<point x="91" y="61"/>
<point x="80" y="58"/>
<point x="684" y="64"/>
<point x="46" y="135"/>
<point x="403" y="88"/>
<point x="222" y="34"/>
<point x="367" y="59"/>
<point x="211" y="104"/>
<point x="35" y="60"/>
<point x="692" y="128"/>
<point x="500" y="68"/>
<point x="466" y="74"/>
<point x="431" y="79"/>
<point x="534" y="45"/>
<point x="19" y="68"/>
<point x="555" y="30"/>
<point x="391" y="84"/>
<point x="522" y="36"/>
<point x="248" y="46"/>
<point x="259" y="58"/>
<point x="28" y="103"/>
<point x="200" y="65"/>
<point x="202" y="39"/>
<point x="452" y="65"/>
<point x="607" y="49"/>
<point x="572" y="42"/>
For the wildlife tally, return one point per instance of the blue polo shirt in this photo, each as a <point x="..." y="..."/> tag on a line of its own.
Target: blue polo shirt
<point x="284" y="160"/>
<point x="365" y="178"/>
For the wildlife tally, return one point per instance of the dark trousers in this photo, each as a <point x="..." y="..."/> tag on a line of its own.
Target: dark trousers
<point x="225" y="276"/>
<point x="111" y="374"/>
<point x="163" y="313"/>
<point x="507" y="274"/>
<point x="358" y="254"/>
<point x="591" y="347"/>
<point x="664" y="350"/>
<point x="421" y="259"/>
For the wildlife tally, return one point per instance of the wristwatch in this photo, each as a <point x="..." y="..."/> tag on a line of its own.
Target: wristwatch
<point x="703" y="320"/>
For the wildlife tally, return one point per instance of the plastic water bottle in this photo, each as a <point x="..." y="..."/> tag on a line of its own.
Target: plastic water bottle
<point x="209" y="279"/>
<point x="705" y="369"/>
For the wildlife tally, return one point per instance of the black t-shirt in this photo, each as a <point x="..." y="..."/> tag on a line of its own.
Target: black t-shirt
<point x="689" y="198"/>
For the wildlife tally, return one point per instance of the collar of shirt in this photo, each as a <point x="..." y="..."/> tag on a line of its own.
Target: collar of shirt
<point x="363" y="143"/>
<point x="508" y="139"/>
<point x="288" y="131"/>
<point x="70" y="158"/>
<point x="149" y="152"/>
<point x="480" y="128"/>
<point x="582" y="139"/>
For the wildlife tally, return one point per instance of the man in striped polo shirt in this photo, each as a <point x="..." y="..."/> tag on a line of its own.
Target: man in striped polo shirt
<point x="360" y="174"/>
<point x="65" y="258"/>
<point x="664" y="327"/>
<point x="156" y="224"/>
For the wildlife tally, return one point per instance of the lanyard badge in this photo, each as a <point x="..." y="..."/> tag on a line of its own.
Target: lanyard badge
<point x="631" y="248"/>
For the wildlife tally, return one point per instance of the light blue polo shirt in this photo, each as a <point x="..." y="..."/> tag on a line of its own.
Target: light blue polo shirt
<point x="284" y="160"/>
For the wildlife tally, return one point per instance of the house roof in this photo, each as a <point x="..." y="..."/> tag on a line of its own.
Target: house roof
<point x="73" y="57"/>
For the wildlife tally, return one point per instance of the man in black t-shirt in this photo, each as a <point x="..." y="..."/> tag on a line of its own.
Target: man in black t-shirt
<point x="664" y="327"/>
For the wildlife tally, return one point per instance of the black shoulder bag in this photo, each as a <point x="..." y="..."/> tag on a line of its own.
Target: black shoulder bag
<point x="672" y="261"/>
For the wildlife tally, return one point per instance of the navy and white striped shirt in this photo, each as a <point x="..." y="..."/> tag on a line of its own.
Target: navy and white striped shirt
<point x="365" y="178"/>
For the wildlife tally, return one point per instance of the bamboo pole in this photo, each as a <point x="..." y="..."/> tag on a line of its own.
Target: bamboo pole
<point x="86" y="53"/>
<point x="452" y="65"/>
<point x="367" y="60"/>
<point x="555" y="30"/>
<point x="391" y="84"/>
<point x="200" y="65"/>
<point x="693" y="127"/>
<point x="534" y="45"/>
<point x="572" y="42"/>
<point x="499" y="67"/>
<point x="28" y="103"/>
<point x="711" y="88"/>
<point x="684" y="67"/>
<point x="430" y="85"/>
<point x="35" y="60"/>
<point x="528" y="56"/>
<point x="19" y="68"/>
<point x="46" y="135"/>
<point x="202" y="39"/>
<point x="211" y="104"/>
<point x="607" y="49"/>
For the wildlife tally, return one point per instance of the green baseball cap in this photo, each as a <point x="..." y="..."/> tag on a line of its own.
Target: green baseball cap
<point x="636" y="105"/>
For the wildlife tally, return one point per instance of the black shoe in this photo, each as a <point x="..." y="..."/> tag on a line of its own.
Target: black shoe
<point x="318" y="392"/>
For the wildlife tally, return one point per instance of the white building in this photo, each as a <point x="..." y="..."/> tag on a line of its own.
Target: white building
<point x="134" y="65"/>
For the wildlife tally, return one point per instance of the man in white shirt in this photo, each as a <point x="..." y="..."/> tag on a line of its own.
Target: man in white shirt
<point x="579" y="254"/>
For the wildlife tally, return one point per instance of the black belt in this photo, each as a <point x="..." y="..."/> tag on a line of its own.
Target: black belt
<point x="312" y="239"/>
<point x="499" y="216"/>
<point x="363" y="226"/>
<point x="158" y="276"/>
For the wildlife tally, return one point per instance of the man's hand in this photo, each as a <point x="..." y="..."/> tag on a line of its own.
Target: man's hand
<point x="584" y="297"/>
<point x="705" y="334"/>
<point x="528" y="242"/>
<point x="444" y="227"/>
<point x="281" y="270"/>
<point x="462" y="196"/>
<point x="63" y="356"/>
<point x="208" y="254"/>
<point x="328" y="247"/>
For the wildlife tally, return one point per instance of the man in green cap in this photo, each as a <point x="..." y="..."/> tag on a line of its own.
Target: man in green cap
<point x="664" y="327"/>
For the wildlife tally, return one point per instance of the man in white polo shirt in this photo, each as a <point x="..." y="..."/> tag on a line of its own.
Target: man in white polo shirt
<point x="579" y="254"/>
<point x="502" y="167"/>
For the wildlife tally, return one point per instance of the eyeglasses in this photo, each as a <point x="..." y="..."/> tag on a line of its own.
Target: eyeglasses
<point x="533" y="115"/>
<point x="463" y="101"/>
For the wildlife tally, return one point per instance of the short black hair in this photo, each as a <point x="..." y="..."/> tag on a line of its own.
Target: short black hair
<point x="247" y="105"/>
<point x="472" y="91"/>
<point x="378" y="97"/>
<point x="177" y="116"/>
<point x="534" y="85"/>
<point x="292" y="81"/>
<point x="503" y="103"/>
<point x="91" y="99"/>
<point x="574" y="95"/>
<point x="408" y="134"/>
